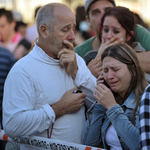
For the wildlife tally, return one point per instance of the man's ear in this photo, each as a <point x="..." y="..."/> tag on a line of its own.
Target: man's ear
<point x="44" y="31"/>
<point x="129" y="36"/>
<point x="88" y="19"/>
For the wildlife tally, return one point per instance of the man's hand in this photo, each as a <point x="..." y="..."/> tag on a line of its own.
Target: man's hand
<point x="67" y="58"/>
<point x="69" y="103"/>
<point x="144" y="60"/>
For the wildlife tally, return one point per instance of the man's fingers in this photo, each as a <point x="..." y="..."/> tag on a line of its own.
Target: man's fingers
<point x="69" y="44"/>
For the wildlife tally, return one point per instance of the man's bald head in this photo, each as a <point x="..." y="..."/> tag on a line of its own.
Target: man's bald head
<point x="48" y="14"/>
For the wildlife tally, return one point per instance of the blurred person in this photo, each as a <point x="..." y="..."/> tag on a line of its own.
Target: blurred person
<point x="31" y="32"/>
<point x="114" y="119"/>
<point x="11" y="39"/>
<point x="21" y="27"/>
<point x="95" y="10"/>
<point x="83" y="29"/>
<point x="7" y="60"/>
<point x="140" y="21"/>
<point x="42" y="83"/>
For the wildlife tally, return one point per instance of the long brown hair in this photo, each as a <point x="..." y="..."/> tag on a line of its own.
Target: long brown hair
<point x="125" y="54"/>
<point x="125" y="17"/>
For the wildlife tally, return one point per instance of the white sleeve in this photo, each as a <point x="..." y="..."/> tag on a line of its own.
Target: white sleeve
<point x="19" y="117"/>
<point x="85" y="81"/>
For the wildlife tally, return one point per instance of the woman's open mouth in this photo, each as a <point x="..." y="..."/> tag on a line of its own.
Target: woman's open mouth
<point x="113" y="83"/>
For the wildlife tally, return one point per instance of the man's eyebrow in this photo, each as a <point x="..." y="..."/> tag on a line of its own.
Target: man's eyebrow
<point x="74" y="25"/>
<point x="68" y="25"/>
<point x="95" y="10"/>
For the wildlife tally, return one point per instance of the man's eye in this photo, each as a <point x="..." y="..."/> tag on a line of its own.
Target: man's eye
<point x="65" y="30"/>
<point x="95" y="12"/>
<point x="115" y="70"/>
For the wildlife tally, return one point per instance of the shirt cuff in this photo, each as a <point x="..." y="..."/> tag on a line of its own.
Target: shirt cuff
<point x="114" y="111"/>
<point x="50" y="113"/>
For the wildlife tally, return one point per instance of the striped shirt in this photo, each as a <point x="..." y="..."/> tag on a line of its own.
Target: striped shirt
<point x="6" y="62"/>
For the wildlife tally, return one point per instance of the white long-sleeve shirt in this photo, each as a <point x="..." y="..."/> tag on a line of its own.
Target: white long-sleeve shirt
<point x="34" y="83"/>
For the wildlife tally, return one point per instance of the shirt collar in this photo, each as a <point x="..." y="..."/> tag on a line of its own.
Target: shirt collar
<point x="130" y="101"/>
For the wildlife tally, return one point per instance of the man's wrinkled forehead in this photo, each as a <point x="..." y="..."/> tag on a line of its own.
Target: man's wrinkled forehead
<point x="65" y="16"/>
<point x="63" y="12"/>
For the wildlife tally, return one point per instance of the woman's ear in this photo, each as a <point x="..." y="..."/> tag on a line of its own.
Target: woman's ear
<point x="129" y="36"/>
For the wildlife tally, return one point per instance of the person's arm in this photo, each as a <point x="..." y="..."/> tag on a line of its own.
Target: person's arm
<point x="69" y="103"/>
<point x="124" y="127"/>
<point x="119" y="119"/>
<point x="76" y="67"/>
<point x="20" y="118"/>
<point x="144" y="59"/>
<point x="91" y="134"/>
<point x="145" y="120"/>
<point x="142" y="36"/>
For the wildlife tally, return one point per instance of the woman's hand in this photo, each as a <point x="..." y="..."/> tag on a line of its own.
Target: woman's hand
<point x="104" y="96"/>
<point x="105" y="44"/>
<point x="100" y="79"/>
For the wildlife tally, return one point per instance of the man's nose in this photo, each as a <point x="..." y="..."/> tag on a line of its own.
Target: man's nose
<point x="71" y="36"/>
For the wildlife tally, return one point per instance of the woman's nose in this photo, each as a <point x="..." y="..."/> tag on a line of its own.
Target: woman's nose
<point x="109" y="35"/>
<point x="110" y="75"/>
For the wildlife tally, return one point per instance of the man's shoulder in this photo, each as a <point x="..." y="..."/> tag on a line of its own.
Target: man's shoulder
<point x="85" y="47"/>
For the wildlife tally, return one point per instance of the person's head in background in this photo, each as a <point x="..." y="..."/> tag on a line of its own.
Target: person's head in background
<point x="21" y="28"/>
<point x="82" y="25"/>
<point x="118" y="21"/>
<point x="122" y="71"/>
<point x="95" y="10"/>
<point x="7" y="25"/>
<point x="141" y="22"/>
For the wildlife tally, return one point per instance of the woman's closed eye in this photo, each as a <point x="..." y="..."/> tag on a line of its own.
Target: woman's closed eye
<point x="116" y="31"/>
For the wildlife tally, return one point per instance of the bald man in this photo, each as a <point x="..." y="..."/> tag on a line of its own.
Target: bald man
<point x="38" y="93"/>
